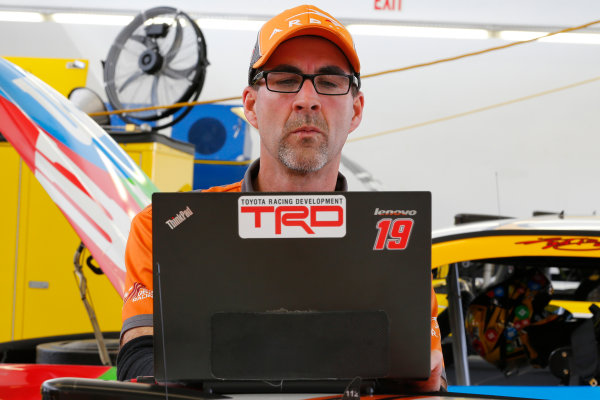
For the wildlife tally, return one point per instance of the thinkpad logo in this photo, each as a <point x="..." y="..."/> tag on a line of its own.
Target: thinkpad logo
<point x="179" y="218"/>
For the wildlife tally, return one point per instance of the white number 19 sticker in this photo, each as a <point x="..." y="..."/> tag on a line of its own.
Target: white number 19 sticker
<point x="393" y="234"/>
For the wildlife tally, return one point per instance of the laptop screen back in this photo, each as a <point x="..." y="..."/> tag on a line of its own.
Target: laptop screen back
<point x="289" y="286"/>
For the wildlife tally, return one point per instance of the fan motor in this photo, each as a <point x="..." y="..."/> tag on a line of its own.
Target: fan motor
<point x="150" y="61"/>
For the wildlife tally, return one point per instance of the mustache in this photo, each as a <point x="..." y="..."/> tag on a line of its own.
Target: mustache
<point x="299" y="121"/>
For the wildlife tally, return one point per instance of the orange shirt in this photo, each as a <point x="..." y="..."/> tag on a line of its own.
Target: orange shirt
<point x="138" y="298"/>
<point x="138" y="301"/>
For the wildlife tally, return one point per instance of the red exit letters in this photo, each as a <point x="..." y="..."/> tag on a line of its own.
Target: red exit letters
<point x="389" y="5"/>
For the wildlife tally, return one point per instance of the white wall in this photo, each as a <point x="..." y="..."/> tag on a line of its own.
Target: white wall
<point x="539" y="154"/>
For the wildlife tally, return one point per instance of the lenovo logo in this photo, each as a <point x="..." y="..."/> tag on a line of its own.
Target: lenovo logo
<point x="292" y="216"/>
<point x="394" y="212"/>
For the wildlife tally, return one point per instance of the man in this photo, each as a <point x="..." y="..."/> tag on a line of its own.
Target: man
<point x="304" y="99"/>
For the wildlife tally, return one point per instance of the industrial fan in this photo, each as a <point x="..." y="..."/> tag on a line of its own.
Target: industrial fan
<point x="158" y="59"/>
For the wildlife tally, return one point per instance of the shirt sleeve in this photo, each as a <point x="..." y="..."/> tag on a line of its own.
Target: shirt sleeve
<point x="138" y="298"/>
<point x="436" y="337"/>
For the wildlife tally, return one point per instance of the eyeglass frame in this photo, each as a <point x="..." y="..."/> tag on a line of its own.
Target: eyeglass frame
<point x="353" y="79"/>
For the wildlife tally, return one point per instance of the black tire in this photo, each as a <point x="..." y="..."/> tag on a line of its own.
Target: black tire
<point x="82" y="352"/>
<point x="23" y="351"/>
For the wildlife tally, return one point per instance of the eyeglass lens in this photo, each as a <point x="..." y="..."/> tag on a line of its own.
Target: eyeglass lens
<point x="289" y="82"/>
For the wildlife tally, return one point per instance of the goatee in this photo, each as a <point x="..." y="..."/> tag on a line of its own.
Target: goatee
<point x="310" y="154"/>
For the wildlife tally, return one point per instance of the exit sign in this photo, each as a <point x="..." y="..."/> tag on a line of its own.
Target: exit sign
<point x="387" y="5"/>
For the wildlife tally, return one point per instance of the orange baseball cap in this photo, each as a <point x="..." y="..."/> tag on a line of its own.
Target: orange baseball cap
<point x="300" y="21"/>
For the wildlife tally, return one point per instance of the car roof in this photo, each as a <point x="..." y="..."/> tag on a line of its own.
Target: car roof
<point x="586" y="225"/>
<point x="567" y="238"/>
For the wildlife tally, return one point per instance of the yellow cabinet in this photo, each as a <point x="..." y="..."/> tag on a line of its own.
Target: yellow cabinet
<point x="38" y="291"/>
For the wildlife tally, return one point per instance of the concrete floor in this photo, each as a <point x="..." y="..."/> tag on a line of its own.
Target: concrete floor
<point x="483" y="373"/>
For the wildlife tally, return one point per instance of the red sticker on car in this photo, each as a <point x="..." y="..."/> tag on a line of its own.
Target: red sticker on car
<point x="566" y="244"/>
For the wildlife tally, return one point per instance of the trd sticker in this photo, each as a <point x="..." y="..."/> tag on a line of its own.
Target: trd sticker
<point x="566" y="244"/>
<point x="393" y="234"/>
<point x="293" y="216"/>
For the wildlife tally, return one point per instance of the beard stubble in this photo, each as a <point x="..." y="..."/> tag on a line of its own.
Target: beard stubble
<point x="309" y="154"/>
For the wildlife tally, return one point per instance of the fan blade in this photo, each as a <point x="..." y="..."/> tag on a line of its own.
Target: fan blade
<point x="179" y="73"/>
<point x="172" y="52"/>
<point x="154" y="91"/>
<point x="129" y="80"/>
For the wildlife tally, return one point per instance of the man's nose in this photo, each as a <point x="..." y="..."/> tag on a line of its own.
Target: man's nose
<point x="307" y="98"/>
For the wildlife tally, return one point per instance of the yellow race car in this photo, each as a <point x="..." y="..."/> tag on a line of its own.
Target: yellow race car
<point x="525" y="286"/>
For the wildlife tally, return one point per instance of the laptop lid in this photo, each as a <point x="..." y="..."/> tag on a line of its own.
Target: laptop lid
<point x="289" y="286"/>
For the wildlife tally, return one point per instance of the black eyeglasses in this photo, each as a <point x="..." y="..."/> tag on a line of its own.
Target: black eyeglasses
<point x="291" y="82"/>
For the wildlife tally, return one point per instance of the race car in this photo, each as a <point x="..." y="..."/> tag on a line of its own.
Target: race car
<point x="525" y="286"/>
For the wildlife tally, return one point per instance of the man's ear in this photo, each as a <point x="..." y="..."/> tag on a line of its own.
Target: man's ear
<point x="249" y="101"/>
<point x="358" y="104"/>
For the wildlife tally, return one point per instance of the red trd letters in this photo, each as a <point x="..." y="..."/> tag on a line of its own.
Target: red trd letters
<point x="306" y="217"/>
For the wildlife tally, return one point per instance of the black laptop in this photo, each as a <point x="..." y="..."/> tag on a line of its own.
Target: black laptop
<point x="259" y="288"/>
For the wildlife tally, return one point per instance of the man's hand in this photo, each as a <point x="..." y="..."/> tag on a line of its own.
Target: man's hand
<point x="435" y="381"/>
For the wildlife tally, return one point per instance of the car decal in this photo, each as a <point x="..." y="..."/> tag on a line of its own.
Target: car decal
<point x="566" y="243"/>
<point x="87" y="174"/>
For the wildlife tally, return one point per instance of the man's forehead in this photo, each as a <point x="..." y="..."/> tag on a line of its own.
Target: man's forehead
<point x="325" y="69"/>
<point x="301" y="50"/>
